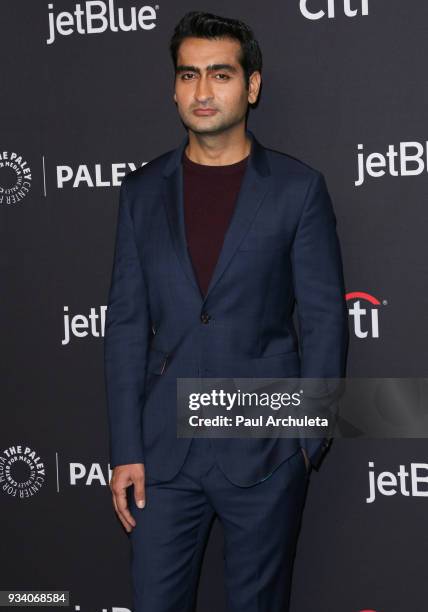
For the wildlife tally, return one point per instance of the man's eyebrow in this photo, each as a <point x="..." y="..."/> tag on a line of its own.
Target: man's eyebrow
<point x="210" y="68"/>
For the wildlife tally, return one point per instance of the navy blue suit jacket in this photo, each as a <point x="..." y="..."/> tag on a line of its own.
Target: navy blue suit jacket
<point x="280" y="248"/>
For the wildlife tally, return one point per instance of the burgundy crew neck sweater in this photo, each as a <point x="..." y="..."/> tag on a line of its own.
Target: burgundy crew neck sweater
<point x="210" y="194"/>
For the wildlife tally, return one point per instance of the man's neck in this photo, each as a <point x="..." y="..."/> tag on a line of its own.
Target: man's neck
<point x="218" y="149"/>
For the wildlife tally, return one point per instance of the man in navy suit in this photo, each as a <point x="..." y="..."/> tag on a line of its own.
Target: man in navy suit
<point x="216" y="242"/>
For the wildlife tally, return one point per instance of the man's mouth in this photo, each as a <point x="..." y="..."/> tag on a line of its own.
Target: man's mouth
<point x="204" y="112"/>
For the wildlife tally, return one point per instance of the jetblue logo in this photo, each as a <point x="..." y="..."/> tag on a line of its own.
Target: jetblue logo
<point x="408" y="159"/>
<point x="82" y="326"/>
<point x="408" y="483"/>
<point x="97" y="17"/>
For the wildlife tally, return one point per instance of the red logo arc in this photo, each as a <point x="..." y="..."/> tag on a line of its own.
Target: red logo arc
<point x="353" y="295"/>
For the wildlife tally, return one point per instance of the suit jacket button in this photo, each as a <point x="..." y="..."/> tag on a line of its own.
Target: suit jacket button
<point x="205" y="317"/>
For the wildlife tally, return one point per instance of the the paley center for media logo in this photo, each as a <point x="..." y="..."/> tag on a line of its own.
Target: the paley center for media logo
<point x="98" y="17"/>
<point x="15" y="177"/>
<point x="22" y="471"/>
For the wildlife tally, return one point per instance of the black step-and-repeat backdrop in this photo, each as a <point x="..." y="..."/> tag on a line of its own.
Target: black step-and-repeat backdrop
<point x="86" y="96"/>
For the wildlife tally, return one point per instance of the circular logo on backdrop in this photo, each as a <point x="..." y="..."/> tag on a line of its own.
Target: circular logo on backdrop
<point x="15" y="177"/>
<point x="22" y="471"/>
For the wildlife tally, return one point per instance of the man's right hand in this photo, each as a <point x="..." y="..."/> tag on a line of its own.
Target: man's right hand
<point x="124" y="476"/>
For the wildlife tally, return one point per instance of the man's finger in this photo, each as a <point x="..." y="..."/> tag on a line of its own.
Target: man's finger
<point x="122" y="506"/>
<point x="122" y="509"/>
<point x="139" y="493"/>
<point x="126" y="525"/>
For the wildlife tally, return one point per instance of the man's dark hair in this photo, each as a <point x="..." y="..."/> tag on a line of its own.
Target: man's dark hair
<point x="206" y="25"/>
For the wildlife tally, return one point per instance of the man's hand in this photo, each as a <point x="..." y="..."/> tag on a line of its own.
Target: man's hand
<point x="123" y="477"/>
<point x="305" y="455"/>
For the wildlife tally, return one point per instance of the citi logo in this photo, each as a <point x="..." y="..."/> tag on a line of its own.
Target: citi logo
<point x="98" y="16"/>
<point x="408" y="159"/>
<point x="308" y="8"/>
<point x="412" y="483"/>
<point x="365" y="313"/>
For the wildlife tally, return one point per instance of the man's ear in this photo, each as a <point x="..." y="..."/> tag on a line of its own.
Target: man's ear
<point x="254" y="87"/>
<point x="175" y="97"/>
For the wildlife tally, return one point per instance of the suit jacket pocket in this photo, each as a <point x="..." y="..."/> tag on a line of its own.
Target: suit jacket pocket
<point x="157" y="361"/>
<point x="280" y="365"/>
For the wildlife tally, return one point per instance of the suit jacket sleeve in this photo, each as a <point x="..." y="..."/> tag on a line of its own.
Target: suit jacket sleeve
<point x="126" y="340"/>
<point x="320" y="295"/>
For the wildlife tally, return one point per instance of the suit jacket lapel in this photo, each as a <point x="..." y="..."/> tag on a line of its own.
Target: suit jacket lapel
<point x="173" y="198"/>
<point x="254" y="186"/>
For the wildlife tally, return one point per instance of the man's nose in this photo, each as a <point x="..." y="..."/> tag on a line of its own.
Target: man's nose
<point x="203" y="89"/>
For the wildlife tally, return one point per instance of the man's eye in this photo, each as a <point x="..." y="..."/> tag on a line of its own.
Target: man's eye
<point x="186" y="74"/>
<point x="224" y="77"/>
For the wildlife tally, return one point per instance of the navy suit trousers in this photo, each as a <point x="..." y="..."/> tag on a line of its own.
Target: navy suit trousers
<point x="260" y="523"/>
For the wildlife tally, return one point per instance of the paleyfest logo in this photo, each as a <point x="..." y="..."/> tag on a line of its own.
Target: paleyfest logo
<point x="15" y="177"/>
<point x="98" y="16"/>
<point x="22" y="471"/>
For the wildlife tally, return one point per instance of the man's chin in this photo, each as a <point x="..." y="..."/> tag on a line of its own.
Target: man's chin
<point x="204" y="127"/>
<point x="207" y="129"/>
